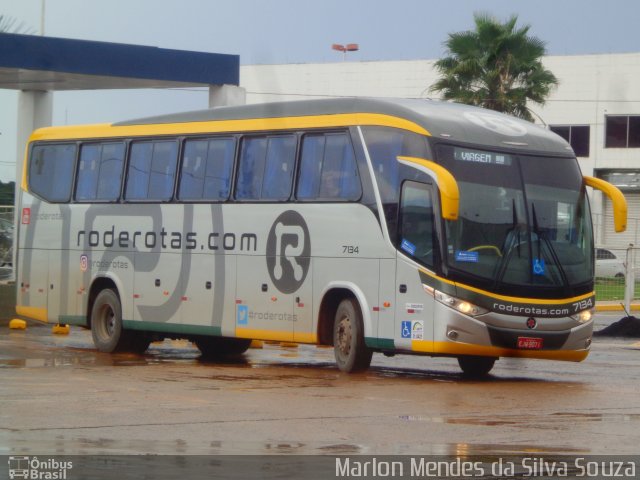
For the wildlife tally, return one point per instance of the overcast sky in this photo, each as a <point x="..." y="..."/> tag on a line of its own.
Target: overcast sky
<point x="298" y="31"/>
<point x="293" y="31"/>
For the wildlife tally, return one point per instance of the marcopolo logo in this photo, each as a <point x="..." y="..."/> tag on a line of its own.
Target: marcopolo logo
<point x="288" y="251"/>
<point x="496" y="123"/>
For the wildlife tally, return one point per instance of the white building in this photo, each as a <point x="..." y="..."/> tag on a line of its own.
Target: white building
<point x="596" y="107"/>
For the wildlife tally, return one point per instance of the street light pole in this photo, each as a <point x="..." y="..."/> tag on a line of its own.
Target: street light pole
<point x="42" y="10"/>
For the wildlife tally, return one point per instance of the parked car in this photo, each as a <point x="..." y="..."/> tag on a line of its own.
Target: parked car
<point x="608" y="264"/>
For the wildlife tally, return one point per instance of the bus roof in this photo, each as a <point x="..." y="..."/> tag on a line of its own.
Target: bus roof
<point x="450" y="121"/>
<point x="446" y="120"/>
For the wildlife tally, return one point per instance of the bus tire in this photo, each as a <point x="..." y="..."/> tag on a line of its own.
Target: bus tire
<point x="219" y="347"/>
<point x="351" y="352"/>
<point x="106" y="323"/>
<point x="475" y="366"/>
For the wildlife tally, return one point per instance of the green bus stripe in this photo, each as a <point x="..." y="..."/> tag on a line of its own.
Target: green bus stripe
<point x="79" y="320"/>
<point x="381" y="343"/>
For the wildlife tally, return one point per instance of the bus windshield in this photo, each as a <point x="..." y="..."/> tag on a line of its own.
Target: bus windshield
<point x="524" y="221"/>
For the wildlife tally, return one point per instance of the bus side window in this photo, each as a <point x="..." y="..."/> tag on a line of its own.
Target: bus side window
<point x="266" y="168"/>
<point x="100" y="172"/>
<point x="51" y="171"/>
<point x="416" y="222"/>
<point x="206" y="169"/>
<point x="310" y="167"/>
<point x="152" y="169"/>
<point x="278" y="171"/>
<point x="328" y="169"/>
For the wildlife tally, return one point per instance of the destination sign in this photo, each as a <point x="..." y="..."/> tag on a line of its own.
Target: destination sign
<point x="479" y="156"/>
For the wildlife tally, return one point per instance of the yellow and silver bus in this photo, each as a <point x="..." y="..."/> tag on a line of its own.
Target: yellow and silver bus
<point x="391" y="226"/>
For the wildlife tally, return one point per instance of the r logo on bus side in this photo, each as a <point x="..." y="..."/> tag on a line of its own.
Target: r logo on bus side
<point x="288" y="251"/>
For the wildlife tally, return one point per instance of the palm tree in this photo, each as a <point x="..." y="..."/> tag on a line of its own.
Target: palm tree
<point x="8" y="25"/>
<point x="496" y="66"/>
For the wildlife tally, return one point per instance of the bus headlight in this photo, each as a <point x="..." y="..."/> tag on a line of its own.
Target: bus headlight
<point x="461" y="305"/>
<point x="583" y="317"/>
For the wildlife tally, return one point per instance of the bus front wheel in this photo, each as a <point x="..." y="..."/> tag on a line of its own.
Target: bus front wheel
<point x="106" y="323"/>
<point x="352" y="355"/>
<point x="476" y="367"/>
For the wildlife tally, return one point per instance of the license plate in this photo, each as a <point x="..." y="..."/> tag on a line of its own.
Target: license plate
<point x="529" y="343"/>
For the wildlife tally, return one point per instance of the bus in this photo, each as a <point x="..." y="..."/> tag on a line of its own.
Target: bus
<point x="370" y="225"/>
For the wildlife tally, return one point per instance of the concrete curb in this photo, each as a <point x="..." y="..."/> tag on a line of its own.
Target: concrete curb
<point x="615" y="307"/>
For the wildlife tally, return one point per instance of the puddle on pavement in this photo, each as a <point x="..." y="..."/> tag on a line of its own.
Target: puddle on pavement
<point x="100" y="445"/>
<point x="85" y="445"/>
<point x="38" y="348"/>
<point x="546" y="421"/>
<point x="598" y="417"/>
<point x="492" y="449"/>
<point x="341" y="449"/>
<point x="284" y="448"/>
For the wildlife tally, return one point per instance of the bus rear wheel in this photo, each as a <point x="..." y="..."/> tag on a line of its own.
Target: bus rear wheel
<point x="476" y="367"/>
<point x="217" y="347"/>
<point x="106" y="323"/>
<point x="351" y="352"/>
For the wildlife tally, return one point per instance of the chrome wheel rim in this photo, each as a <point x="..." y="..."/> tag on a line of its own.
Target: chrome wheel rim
<point x="107" y="321"/>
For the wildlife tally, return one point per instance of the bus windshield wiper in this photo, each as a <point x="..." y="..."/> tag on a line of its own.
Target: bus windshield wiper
<point x="513" y="235"/>
<point x="542" y="235"/>
<point x="515" y="224"/>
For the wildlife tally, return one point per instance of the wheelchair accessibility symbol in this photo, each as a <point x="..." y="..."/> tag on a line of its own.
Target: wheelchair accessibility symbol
<point x="406" y="330"/>
<point x="538" y="266"/>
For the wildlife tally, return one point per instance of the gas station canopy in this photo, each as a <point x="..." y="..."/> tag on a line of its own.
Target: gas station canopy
<point x="48" y="64"/>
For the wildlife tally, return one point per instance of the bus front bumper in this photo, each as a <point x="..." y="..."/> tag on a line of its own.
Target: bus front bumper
<point x="554" y="339"/>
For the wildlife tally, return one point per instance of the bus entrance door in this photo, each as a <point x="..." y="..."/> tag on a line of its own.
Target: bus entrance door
<point x="414" y="311"/>
<point x="386" y="296"/>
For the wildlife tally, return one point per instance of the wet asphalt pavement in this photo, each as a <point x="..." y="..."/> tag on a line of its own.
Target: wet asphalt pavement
<point x="59" y="396"/>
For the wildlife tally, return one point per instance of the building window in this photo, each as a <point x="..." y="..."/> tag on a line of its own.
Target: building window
<point x="622" y="131"/>
<point x="577" y="136"/>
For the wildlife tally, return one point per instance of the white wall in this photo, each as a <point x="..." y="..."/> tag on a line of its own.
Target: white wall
<point x="591" y="86"/>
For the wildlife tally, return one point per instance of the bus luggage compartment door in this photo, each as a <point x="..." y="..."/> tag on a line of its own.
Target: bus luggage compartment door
<point x="262" y="311"/>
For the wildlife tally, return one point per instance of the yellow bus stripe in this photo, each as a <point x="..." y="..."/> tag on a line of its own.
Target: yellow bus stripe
<point x="536" y="301"/>
<point x="451" y="348"/>
<point x="277" y="335"/>
<point x="35" y="313"/>
<point x="221" y="126"/>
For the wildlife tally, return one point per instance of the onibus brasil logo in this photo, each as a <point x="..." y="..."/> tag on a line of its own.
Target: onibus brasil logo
<point x="38" y="469"/>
